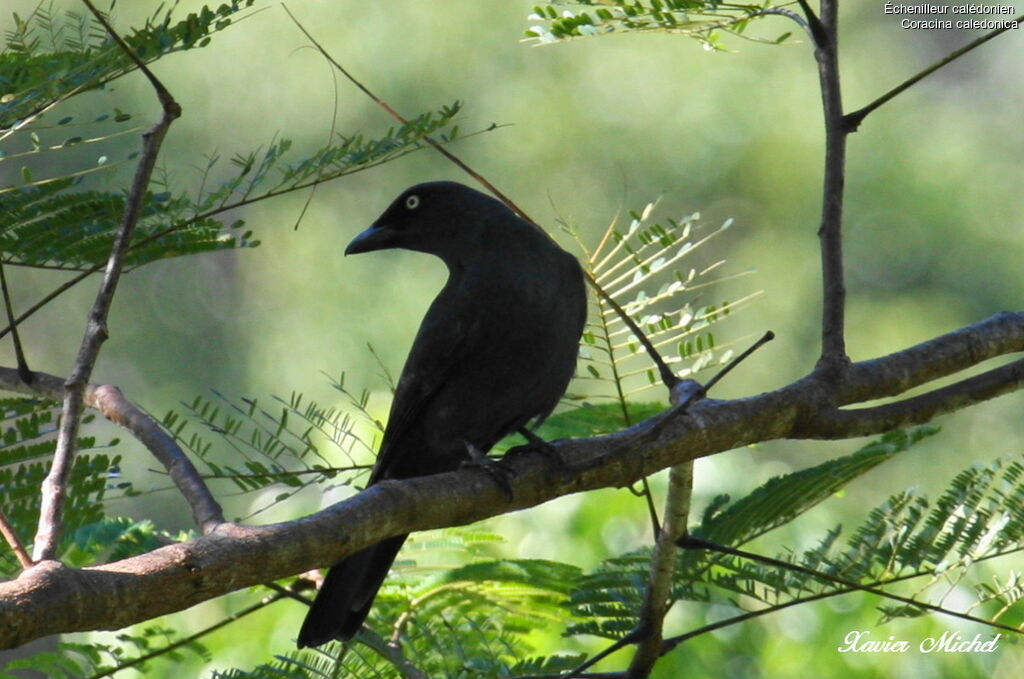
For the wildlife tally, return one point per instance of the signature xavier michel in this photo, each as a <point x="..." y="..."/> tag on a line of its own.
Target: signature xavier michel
<point x="857" y="641"/>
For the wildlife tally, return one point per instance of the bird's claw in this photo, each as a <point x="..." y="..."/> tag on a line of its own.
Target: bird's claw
<point x="535" y="444"/>
<point x="502" y="475"/>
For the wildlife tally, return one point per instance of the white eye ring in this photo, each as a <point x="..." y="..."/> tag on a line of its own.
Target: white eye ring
<point x="412" y="202"/>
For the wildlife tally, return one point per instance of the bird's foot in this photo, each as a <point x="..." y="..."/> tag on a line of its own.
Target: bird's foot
<point x="502" y="475"/>
<point x="535" y="444"/>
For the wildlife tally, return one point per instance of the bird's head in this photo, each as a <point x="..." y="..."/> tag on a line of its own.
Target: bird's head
<point x="438" y="218"/>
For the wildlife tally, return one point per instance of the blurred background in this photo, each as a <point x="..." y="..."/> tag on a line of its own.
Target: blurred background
<point x="933" y="226"/>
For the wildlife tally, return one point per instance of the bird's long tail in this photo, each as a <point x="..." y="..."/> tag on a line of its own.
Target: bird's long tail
<point x="346" y="596"/>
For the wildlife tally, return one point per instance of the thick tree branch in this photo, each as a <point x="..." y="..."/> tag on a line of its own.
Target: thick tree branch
<point x="54" y="486"/>
<point x="113" y="405"/>
<point x="51" y="598"/>
<point x="841" y="424"/>
<point x="933" y="359"/>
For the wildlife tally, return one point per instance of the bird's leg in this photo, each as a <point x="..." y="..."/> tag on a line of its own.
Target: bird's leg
<point x="501" y="475"/>
<point x="536" y="444"/>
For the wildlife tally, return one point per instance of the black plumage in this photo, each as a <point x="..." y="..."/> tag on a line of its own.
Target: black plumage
<point x="494" y="353"/>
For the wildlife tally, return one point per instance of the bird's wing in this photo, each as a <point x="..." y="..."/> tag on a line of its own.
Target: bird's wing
<point x="434" y="354"/>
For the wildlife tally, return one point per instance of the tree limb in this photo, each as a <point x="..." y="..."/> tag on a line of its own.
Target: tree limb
<point x="51" y="598"/>
<point x="663" y="565"/>
<point x="833" y="340"/>
<point x="841" y="424"/>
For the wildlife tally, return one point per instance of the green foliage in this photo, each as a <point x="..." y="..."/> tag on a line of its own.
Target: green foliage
<point x="53" y="222"/>
<point x="784" y="498"/>
<point x="699" y="19"/>
<point x="114" y="538"/>
<point x="49" y="226"/>
<point x="977" y="518"/>
<point x="292" y="446"/>
<point x="28" y="442"/>
<point x="642" y="269"/>
<point x="468" y="621"/>
<point x="49" y="58"/>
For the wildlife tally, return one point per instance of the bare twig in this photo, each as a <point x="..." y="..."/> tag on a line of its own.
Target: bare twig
<point x="688" y="391"/>
<point x="54" y="485"/>
<point x="833" y="358"/>
<point x="853" y="120"/>
<point x="49" y="297"/>
<point x="11" y="536"/>
<point x="397" y="116"/>
<point x="19" y="354"/>
<point x="185" y="641"/>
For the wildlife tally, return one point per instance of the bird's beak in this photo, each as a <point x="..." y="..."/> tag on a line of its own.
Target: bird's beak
<point x="377" y="237"/>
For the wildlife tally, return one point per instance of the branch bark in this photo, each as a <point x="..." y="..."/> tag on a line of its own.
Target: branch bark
<point x="833" y="338"/>
<point x="50" y="598"/>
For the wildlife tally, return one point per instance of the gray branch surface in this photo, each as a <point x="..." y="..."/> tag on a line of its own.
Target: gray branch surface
<point x="51" y="598"/>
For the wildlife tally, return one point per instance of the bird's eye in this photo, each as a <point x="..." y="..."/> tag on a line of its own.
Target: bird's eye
<point x="412" y="202"/>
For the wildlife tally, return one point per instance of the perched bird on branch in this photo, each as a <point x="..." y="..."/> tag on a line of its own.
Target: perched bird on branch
<point x="493" y="354"/>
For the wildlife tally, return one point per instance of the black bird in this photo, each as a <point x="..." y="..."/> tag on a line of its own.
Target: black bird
<point x="494" y="352"/>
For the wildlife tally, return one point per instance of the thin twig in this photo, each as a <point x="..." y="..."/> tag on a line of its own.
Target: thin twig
<point x="49" y="297"/>
<point x="397" y="116"/>
<point x="833" y="341"/>
<point x="54" y="486"/>
<point x="19" y="354"/>
<point x="11" y="536"/>
<point x="184" y="641"/>
<point x="695" y="391"/>
<point x="853" y="120"/>
<point x="765" y="338"/>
